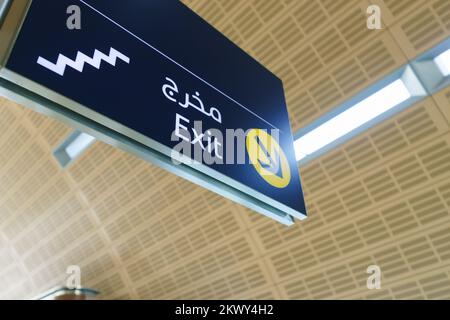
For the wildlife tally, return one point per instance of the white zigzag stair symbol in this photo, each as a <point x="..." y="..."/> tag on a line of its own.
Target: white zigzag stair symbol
<point x="81" y="60"/>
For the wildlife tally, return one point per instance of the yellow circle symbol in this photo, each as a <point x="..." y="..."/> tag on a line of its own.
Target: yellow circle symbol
<point x="268" y="158"/>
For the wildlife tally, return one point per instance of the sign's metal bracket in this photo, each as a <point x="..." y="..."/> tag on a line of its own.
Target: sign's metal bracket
<point x="12" y="14"/>
<point x="4" y="7"/>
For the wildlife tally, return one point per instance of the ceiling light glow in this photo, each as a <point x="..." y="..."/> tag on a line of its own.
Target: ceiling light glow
<point x="443" y="62"/>
<point x="356" y="116"/>
<point x="79" y="144"/>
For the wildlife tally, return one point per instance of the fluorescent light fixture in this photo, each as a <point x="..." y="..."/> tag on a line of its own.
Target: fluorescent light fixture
<point x="79" y="144"/>
<point x="356" y="116"/>
<point x="72" y="147"/>
<point x="443" y="62"/>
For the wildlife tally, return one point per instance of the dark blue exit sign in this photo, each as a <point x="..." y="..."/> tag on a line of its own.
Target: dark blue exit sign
<point x="156" y="73"/>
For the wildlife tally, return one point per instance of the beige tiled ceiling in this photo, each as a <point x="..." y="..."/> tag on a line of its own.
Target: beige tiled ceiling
<point x="138" y="232"/>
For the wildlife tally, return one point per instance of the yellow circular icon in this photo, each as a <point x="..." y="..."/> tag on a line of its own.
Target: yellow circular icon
<point x="268" y="158"/>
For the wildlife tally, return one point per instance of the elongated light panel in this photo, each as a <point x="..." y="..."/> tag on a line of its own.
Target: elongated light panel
<point x="443" y="62"/>
<point x="352" y="118"/>
<point x="77" y="146"/>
